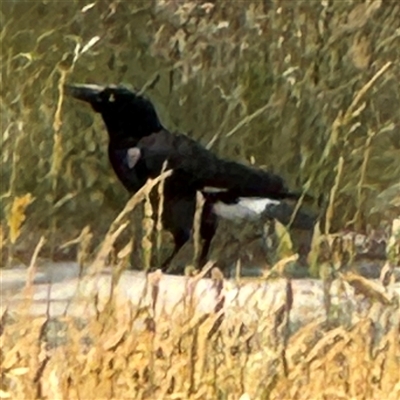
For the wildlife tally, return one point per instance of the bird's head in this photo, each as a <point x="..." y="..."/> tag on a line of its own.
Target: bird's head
<point x="127" y="114"/>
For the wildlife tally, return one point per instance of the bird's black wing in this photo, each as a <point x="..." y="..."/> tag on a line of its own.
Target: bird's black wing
<point x="197" y="167"/>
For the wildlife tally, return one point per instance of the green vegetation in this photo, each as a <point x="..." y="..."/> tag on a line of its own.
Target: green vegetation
<point x="307" y="89"/>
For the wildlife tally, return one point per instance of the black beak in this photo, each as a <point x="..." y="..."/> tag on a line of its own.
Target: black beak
<point x="87" y="93"/>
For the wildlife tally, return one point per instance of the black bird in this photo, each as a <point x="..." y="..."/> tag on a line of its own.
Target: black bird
<point x="138" y="147"/>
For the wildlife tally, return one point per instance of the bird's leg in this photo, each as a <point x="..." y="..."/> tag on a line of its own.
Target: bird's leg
<point x="180" y="238"/>
<point x="208" y="227"/>
<point x="204" y="252"/>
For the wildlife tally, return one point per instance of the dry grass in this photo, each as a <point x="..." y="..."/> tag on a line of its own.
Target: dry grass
<point x="309" y="89"/>
<point x="124" y="352"/>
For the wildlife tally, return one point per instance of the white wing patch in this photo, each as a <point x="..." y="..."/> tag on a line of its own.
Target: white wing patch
<point x="249" y="208"/>
<point x="133" y="156"/>
<point x="210" y="189"/>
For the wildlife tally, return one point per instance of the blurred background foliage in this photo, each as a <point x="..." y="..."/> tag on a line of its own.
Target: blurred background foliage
<point x="308" y="89"/>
